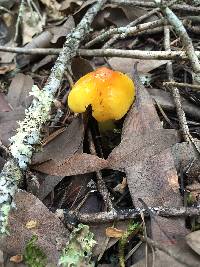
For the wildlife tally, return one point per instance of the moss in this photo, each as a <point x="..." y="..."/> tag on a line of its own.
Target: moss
<point x="33" y="255"/>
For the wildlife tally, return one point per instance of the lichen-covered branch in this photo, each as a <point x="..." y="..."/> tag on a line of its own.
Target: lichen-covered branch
<point x="127" y="30"/>
<point x="28" y="133"/>
<point x="182" y="33"/>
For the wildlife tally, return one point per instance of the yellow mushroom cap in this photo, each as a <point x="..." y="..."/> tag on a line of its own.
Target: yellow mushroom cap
<point x="110" y="93"/>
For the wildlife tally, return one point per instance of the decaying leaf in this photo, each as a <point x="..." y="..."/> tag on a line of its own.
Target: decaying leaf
<point x="17" y="258"/>
<point x="114" y="232"/>
<point x="125" y="65"/>
<point x="63" y="30"/>
<point x="145" y="155"/>
<point x="18" y="92"/>
<point x="193" y="240"/>
<point x="51" y="233"/>
<point x="31" y="224"/>
<point x="32" y="24"/>
<point x="74" y="165"/>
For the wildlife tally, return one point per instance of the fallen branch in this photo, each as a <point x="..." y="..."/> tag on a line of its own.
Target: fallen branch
<point x="28" y="133"/>
<point x="137" y="54"/>
<point x="125" y="30"/>
<point x="150" y="4"/>
<point x="114" y="215"/>
<point x="182" y="85"/>
<point x="185" y="39"/>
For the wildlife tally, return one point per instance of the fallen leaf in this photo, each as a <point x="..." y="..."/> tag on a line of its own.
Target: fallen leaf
<point x="31" y="224"/>
<point x="80" y="67"/>
<point x="17" y="258"/>
<point x="32" y="24"/>
<point x="125" y="65"/>
<point x="18" y="92"/>
<point x="43" y="40"/>
<point x="63" y="30"/>
<point x="74" y="165"/>
<point x="145" y="155"/>
<point x="4" y="106"/>
<point x="51" y="233"/>
<point x="114" y="232"/>
<point x="193" y="240"/>
<point x="7" y="68"/>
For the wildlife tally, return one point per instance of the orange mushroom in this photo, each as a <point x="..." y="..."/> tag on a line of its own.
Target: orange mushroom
<point x="110" y="93"/>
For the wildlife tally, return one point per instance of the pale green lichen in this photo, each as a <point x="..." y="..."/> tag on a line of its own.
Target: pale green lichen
<point x="9" y="180"/>
<point x="28" y="133"/>
<point x="79" y="248"/>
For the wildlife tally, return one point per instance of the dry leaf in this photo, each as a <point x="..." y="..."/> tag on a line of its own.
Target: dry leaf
<point x="7" y="68"/>
<point x="31" y="224"/>
<point x="17" y="258"/>
<point x="51" y="233"/>
<point x="63" y="30"/>
<point x="125" y="65"/>
<point x="18" y="92"/>
<point x="32" y="24"/>
<point x="145" y="155"/>
<point x="74" y="165"/>
<point x="121" y="186"/>
<point x="4" y="106"/>
<point x="193" y="240"/>
<point x="114" y="232"/>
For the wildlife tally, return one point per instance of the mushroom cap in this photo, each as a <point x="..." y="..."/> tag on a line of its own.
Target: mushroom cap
<point x="110" y="93"/>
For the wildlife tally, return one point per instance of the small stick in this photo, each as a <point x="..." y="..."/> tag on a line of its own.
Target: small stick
<point x="182" y="85"/>
<point x="175" y="91"/>
<point x="100" y="182"/>
<point x="128" y="214"/>
<point x="19" y="19"/>
<point x="182" y="33"/>
<point x="137" y="54"/>
<point x="131" y="3"/>
<point x="127" y="30"/>
<point x="133" y="23"/>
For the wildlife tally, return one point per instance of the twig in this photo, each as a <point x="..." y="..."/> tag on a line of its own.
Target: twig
<point x="19" y="19"/>
<point x="182" y="33"/>
<point x="114" y="215"/>
<point x="100" y="182"/>
<point x="182" y="85"/>
<point x="175" y="91"/>
<point x="28" y="133"/>
<point x="169" y="251"/>
<point x="127" y="30"/>
<point x="187" y="8"/>
<point x="137" y="54"/>
<point x="133" y="23"/>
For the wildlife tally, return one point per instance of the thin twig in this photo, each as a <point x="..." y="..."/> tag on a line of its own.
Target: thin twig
<point x="182" y="85"/>
<point x="127" y="30"/>
<point x="100" y="182"/>
<point x="19" y="19"/>
<point x="114" y="215"/>
<point x="133" y="23"/>
<point x="182" y="33"/>
<point x="187" y="8"/>
<point x="28" y="133"/>
<point x="137" y="54"/>
<point x="175" y="91"/>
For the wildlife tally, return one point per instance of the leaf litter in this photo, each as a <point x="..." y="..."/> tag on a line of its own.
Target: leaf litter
<point x="141" y="169"/>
